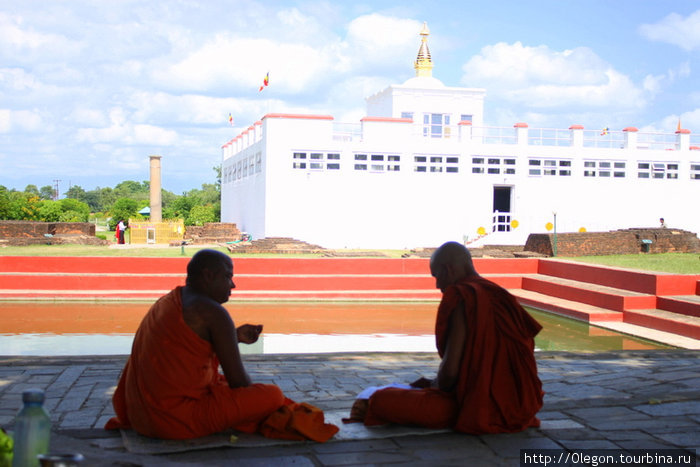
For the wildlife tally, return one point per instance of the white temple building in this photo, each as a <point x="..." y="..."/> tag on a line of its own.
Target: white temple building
<point x="421" y="168"/>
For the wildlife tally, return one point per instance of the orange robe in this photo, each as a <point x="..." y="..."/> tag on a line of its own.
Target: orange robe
<point x="171" y="386"/>
<point x="498" y="390"/>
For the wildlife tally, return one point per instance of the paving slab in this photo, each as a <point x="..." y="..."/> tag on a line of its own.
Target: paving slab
<point x="612" y="400"/>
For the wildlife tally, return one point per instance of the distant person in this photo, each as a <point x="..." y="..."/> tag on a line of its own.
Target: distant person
<point x="487" y="379"/>
<point x="171" y="387"/>
<point x="121" y="230"/>
<point x="662" y="223"/>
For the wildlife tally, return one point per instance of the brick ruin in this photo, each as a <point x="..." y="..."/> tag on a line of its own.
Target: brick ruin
<point x="21" y="233"/>
<point x="212" y="232"/>
<point x="617" y="242"/>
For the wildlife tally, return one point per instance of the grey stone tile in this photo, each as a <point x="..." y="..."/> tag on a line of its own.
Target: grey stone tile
<point x="560" y="424"/>
<point x="671" y="408"/>
<point x="690" y="438"/>
<point x="588" y="444"/>
<point x="509" y="445"/>
<point x="364" y="458"/>
<point x="386" y="444"/>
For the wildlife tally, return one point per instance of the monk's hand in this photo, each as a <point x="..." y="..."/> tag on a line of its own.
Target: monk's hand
<point x="422" y="383"/>
<point x="249" y="333"/>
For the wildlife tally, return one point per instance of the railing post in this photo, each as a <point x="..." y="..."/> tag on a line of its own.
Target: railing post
<point x="576" y="136"/>
<point x="630" y="137"/>
<point x="465" y="130"/>
<point x="683" y="139"/>
<point x="521" y="130"/>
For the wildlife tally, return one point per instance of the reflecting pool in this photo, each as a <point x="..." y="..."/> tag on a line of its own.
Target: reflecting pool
<point x="106" y="328"/>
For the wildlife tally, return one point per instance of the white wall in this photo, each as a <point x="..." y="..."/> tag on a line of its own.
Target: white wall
<point x="405" y="209"/>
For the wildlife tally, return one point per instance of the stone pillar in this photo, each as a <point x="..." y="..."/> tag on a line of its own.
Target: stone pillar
<point x="156" y="201"/>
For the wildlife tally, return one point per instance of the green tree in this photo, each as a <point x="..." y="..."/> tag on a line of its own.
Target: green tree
<point x="123" y="209"/>
<point x="23" y="206"/>
<point x="106" y="198"/>
<point x="217" y="170"/>
<point x="76" y="192"/>
<point x="32" y="189"/>
<point x="80" y="212"/>
<point x="50" y="211"/>
<point x="73" y="216"/>
<point x="134" y="190"/>
<point x="4" y="203"/>
<point x="46" y="192"/>
<point x="199" y="215"/>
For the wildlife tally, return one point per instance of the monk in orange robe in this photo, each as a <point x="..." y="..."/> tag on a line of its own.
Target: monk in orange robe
<point x="171" y="387"/>
<point x="487" y="380"/>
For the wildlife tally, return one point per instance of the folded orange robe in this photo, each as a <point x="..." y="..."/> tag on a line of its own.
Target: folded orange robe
<point x="171" y="387"/>
<point x="498" y="389"/>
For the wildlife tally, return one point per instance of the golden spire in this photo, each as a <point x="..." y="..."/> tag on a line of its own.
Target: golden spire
<point x="424" y="64"/>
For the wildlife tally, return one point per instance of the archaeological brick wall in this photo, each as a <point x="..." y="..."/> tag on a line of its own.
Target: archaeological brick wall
<point x="212" y="232"/>
<point x="31" y="232"/>
<point x="617" y="242"/>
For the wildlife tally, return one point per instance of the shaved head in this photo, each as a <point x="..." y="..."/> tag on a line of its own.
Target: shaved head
<point x="451" y="263"/>
<point x="205" y="259"/>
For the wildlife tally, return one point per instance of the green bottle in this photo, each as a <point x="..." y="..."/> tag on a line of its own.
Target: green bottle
<point x="32" y="430"/>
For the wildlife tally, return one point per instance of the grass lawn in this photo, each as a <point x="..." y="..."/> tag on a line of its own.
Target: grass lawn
<point x="92" y="250"/>
<point x="679" y="263"/>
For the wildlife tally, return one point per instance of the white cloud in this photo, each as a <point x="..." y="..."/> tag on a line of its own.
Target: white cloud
<point x="123" y="131"/>
<point x="19" y="120"/>
<point x="378" y="40"/>
<point x="4" y="120"/>
<point x="238" y="65"/>
<point x="676" y="30"/>
<point x="544" y="78"/>
<point x="669" y="123"/>
<point x="655" y="83"/>
<point x="87" y="117"/>
<point x="17" y="79"/>
<point x="22" y="42"/>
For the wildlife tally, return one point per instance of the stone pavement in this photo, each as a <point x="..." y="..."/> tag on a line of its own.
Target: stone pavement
<point x="616" y="400"/>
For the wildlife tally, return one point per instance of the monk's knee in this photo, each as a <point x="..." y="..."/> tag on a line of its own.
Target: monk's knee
<point x="272" y="395"/>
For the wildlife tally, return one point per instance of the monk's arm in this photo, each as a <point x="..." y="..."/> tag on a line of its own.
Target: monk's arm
<point x="448" y="374"/>
<point x="224" y="340"/>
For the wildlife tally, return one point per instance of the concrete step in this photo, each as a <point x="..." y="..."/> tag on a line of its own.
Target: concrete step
<point x="577" y="310"/>
<point x="681" y="304"/>
<point x="236" y="295"/>
<point x="657" y="283"/>
<point x="663" y="320"/>
<point x="610" y="298"/>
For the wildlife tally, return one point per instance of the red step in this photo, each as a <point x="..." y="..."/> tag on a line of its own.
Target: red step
<point x="661" y="320"/>
<point x="591" y="294"/>
<point x="560" y="306"/>
<point x="682" y="304"/>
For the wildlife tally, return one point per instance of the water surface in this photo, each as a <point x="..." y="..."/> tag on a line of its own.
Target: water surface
<point x="106" y="328"/>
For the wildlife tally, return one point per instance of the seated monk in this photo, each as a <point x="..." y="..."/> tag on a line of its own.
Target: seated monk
<point x="171" y="386"/>
<point x="487" y="379"/>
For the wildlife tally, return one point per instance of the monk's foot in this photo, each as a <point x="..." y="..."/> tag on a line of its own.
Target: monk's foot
<point x="357" y="411"/>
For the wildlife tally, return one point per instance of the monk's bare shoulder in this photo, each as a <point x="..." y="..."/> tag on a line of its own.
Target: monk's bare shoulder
<point x="202" y="314"/>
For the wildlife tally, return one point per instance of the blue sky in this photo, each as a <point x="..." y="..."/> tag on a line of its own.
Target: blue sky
<point x="89" y="89"/>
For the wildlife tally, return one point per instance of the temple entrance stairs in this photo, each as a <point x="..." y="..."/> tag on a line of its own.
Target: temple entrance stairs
<point x="598" y="294"/>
